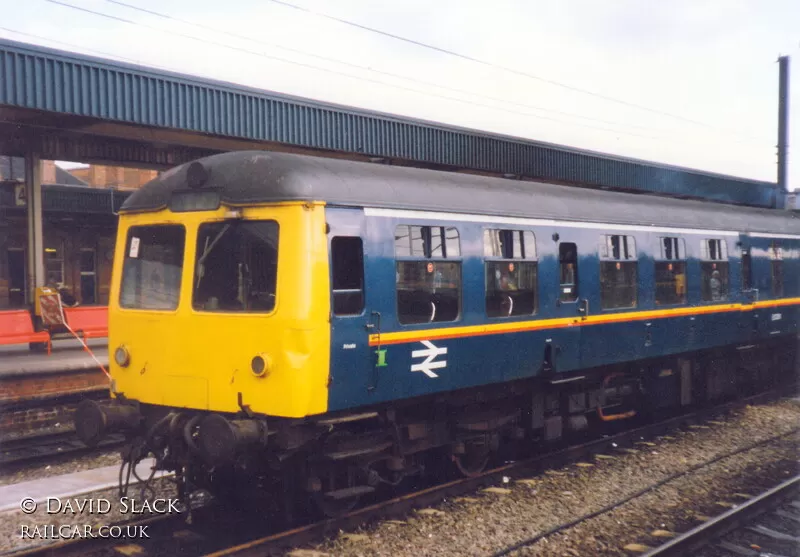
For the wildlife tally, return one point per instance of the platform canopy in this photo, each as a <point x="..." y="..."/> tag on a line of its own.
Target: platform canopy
<point x="65" y="106"/>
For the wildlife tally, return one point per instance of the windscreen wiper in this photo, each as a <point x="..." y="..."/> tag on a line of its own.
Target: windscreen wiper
<point x="206" y="252"/>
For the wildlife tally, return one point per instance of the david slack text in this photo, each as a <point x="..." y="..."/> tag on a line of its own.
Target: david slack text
<point x="125" y="505"/>
<point x="71" y="532"/>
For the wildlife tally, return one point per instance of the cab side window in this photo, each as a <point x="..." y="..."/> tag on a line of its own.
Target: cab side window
<point x="714" y="270"/>
<point x="671" y="271"/>
<point x="428" y="279"/>
<point x="511" y="272"/>
<point x="618" y="272"/>
<point x="776" y="260"/>
<point x="347" y="275"/>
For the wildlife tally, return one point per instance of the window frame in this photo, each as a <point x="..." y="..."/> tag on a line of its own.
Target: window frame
<point x="362" y="290"/>
<point x="527" y="257"/>
<point x="428" y="257"/>
<point x="58" y="260"/>
<point x="125" y="257"/>
<point x="575" y="294"/>
<point x="627" y="255"/>
<point x="721" y="260"/>
<point x="746" y="254"/>
<point x="678" y="256"/>
<point x="245" y="312"/>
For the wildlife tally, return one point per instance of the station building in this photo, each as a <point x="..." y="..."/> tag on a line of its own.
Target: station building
<point x="79" y="225"/>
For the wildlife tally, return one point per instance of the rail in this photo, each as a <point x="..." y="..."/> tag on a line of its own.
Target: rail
<point x="691" y="541"/>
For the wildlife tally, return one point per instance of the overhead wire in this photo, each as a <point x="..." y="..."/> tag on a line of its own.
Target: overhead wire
<point x="507" y="69"/>
<point x="387" y="73"/>
<point x="86" y="49"/>
<point x="366" y="79"/>
<point x="362" y="78"/>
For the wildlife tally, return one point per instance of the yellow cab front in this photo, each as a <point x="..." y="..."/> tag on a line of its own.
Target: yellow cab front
<point x="225" y="309"/>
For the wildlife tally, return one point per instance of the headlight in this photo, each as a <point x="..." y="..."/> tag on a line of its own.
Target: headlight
<point x="122" y="357"/>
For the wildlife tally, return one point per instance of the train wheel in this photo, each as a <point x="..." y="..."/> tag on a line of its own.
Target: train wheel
<point x="333" y="508"/>
<point x="473" y="461"/>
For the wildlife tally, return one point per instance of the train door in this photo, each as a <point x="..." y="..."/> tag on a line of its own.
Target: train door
<point x="562" y="348"/>
<point x="351" y="363"/>
<point x="749" y="320"/>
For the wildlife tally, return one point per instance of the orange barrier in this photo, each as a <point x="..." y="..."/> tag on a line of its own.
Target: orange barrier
<point x="88" y="321"/>
<point x="16" y="327"/>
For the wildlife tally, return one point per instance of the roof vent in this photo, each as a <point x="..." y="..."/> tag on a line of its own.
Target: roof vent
<point x="196" y="175"/>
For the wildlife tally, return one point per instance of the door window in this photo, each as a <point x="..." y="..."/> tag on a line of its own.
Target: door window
<point x="568" y="272"/>
<point x="347" y="275"/>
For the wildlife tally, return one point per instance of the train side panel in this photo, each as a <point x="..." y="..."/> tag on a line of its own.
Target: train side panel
<point x="406" y="361"/>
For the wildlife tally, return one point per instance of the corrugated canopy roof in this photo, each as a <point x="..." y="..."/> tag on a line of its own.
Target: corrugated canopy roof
<point x="49" y="87"/>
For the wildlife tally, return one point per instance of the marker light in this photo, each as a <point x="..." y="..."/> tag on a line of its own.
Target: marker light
<point x="122" y="357"/>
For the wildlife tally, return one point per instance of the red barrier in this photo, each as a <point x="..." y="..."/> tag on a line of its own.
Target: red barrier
<point x="88" y="321"/>
<point x="16" y="327"/>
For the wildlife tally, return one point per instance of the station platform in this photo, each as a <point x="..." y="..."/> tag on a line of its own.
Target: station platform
<point x="68" y="485"/>
<point x="67" y="355"/>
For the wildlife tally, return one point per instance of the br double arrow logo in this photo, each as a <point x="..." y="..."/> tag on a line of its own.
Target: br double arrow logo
<point x="430" y="353"/>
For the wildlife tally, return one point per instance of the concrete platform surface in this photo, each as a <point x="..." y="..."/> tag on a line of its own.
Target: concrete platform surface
<point x="68" y="485"/>
<point x="66" y="356"/>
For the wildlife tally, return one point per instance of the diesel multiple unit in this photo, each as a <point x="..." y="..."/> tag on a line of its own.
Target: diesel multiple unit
<point x="333" y="325"/>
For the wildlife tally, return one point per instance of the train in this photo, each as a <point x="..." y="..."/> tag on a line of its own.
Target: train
<point x="328" y="327"/>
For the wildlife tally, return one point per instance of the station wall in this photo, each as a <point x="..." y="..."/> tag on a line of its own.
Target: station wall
<point x="79" y="251"/>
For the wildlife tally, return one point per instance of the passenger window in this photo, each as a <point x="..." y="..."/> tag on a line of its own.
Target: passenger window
<point x="237" y="266"/>
<point x="618" y="272"/>
<point x="747" y="270"/>
<point x="776" y="256"/>
<point x="568" y="272"/>
<point x="671" y="272"/>
<point x="714" y="270"/>
<point x="428" y="283"/>
<point x="511" y="272"/>
<point x="347" y="275"/>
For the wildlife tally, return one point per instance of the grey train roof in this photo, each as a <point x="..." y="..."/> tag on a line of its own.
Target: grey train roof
<point x="251" y="177"/>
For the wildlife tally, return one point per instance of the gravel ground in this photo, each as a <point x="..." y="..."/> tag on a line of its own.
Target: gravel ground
<point x="68" y="465"/>
<point x="487" y="522"/>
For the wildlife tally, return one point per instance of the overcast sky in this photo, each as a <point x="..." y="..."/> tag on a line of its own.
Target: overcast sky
<point x="710" y="64"/>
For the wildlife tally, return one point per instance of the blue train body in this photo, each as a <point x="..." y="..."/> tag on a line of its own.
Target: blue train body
<point x="364" y="376"/>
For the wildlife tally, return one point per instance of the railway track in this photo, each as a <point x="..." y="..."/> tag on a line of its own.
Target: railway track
<point x="216" y="536"/>
<point x="768" y="524"/>
<point x="40" y="448"/>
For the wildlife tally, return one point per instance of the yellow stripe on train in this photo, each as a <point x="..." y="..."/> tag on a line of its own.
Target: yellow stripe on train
<point x="521" y="326"/>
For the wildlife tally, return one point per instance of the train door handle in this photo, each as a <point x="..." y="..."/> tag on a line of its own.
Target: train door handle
<point x="583" y="308"/>
<point x="376" y="326"/>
